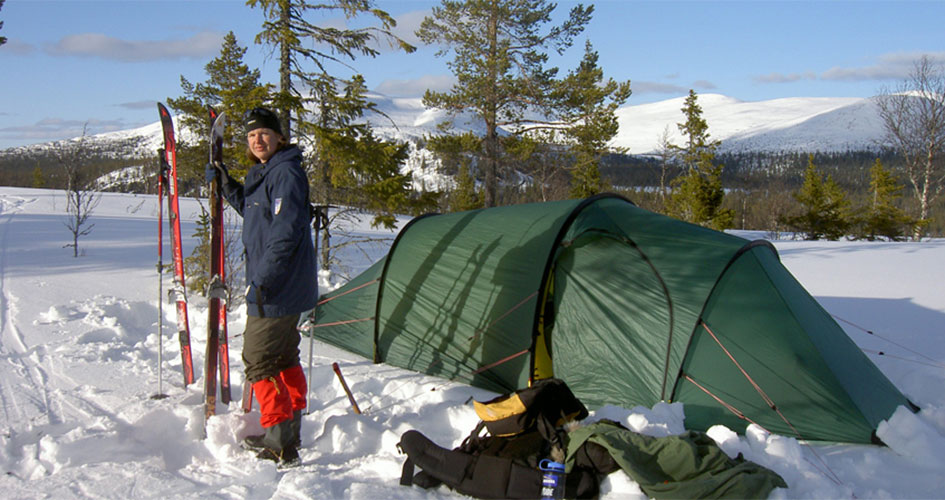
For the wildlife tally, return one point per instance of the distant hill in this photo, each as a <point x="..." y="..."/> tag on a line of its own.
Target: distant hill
<point x="798" y="124"/>
<point x="789" y="124"/>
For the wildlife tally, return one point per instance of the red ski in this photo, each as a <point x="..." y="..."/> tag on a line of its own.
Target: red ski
<point x="217" y="349"/>
<point x="178" y="290"/>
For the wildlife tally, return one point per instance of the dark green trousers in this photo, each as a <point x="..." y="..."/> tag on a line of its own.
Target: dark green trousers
<point x="270" y="346"/>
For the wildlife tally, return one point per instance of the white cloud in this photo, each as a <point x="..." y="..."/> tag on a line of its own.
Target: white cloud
<point x="704" y="84"/>
<point x="52" y="129"/>
<point x="200" y="45"/>
<point x="148" y="104"/>
<point x="17" y="47"/>
<point x="657" y="88"/>
<point x="892" y="66"/>
<point x="785" y="77"/>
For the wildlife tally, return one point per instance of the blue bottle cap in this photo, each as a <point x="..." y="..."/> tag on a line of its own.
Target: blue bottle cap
<point x="551" y="465"/>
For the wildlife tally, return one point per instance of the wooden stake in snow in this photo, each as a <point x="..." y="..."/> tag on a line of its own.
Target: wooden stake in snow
<point x="344" y="385"/>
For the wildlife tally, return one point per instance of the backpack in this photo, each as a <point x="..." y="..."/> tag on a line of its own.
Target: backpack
<point x="523" y="428"/>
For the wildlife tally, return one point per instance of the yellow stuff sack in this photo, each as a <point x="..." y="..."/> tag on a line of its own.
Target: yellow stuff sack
<point x="550" y="400"/>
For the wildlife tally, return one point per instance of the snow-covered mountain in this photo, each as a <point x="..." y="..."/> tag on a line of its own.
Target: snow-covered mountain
<point x="797" y="124"/>
<point x="826" y="124"/>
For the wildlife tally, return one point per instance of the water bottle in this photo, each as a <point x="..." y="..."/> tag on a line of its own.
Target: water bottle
<point x="552" y="480"/>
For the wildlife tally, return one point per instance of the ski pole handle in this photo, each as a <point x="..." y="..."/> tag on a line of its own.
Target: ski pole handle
<point x="344" y="385"/>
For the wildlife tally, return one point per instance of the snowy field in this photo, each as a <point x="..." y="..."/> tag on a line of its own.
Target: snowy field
<point x="79" y="364"/>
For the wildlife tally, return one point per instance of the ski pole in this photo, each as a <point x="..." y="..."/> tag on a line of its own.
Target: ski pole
<point x="311" y="355"/>
<point x="160" y="192"/>
<point x="311" y="319"/>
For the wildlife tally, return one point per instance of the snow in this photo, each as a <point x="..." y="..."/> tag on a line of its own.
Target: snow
<point x="826" y="124"/>
<point x="79" y="350"/>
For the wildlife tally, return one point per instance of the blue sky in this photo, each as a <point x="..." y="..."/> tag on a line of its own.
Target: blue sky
<point x="101" y="63"/>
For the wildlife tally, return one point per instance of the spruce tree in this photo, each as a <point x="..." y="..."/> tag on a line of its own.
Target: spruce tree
<point x="456" y="155"/>
<point x="697" y="195"/>
<point x="824" y="207"/>
<point x="881" y="216"/>
<point x="39" y="179"/>
<point x="499" y="59"/>
<point x="465" y="196"/>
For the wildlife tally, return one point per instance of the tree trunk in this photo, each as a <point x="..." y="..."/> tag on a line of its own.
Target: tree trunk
<point x="285" y="73"/>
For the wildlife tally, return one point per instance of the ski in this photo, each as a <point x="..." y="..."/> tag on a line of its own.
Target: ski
<point x="223" y="348"/>
<point x="216" y="289"/>
<point x="178" y="290"/>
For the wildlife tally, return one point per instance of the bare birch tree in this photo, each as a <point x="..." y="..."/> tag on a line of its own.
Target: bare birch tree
<point x="81" y="200"/>
<point x="914" y="118"/>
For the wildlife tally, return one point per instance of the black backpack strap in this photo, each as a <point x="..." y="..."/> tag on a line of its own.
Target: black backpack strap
<point x="406" y="475"/>
<point x="548" y="431"/>
<point x="473" y="441"/>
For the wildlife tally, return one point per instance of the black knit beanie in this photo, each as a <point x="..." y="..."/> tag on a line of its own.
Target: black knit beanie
<point x="261" y="118"/>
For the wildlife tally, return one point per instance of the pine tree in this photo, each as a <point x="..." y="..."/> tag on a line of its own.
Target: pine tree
<point x="499" y="49"/>
<point x="231" y="88"/>
<point x="306" y="50"/>
<point x="341" y="141"/>
<point x="589" y="105"/>
<point x="881" y="216"/>
<point x="697" y="195"/>
<point x="825" y="207"/>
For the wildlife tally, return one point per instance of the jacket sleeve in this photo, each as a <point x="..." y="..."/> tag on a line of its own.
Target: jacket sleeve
<point x="233" y="192"/>
<point x="289" y="226"/>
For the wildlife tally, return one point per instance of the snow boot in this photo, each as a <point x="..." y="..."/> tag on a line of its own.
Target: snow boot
<point x="278" y="445"/>
<point x="296" y="427"/>
<point x="257" y="442"/>
<point x="294" y="380"/>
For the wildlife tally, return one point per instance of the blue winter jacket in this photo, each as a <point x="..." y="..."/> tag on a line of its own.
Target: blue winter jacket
<point x="277" y="235"/>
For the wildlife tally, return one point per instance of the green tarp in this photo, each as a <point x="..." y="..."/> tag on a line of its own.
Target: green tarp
<point x="627" y="299"/>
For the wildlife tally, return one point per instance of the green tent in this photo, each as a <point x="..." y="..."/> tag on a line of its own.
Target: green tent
<point x="627" y="306"/>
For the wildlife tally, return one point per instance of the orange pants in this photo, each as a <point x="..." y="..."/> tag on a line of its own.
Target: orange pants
<point x="279" y="397"/>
